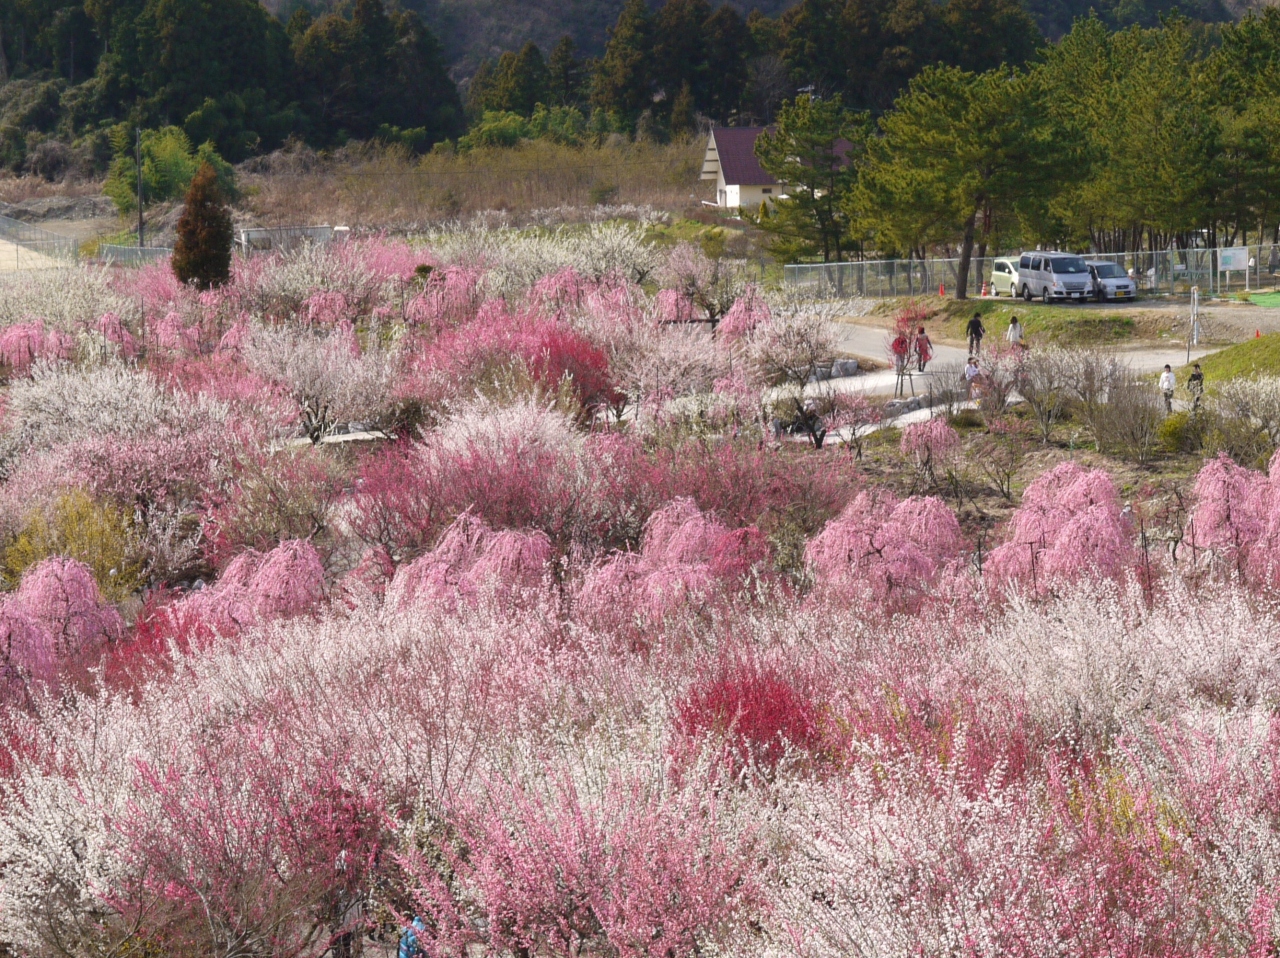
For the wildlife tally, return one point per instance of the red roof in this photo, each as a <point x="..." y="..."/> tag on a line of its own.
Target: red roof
<point x="736" y="146"/>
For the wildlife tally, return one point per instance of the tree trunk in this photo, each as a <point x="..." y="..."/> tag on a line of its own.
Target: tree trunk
<point x="966" y="254"/>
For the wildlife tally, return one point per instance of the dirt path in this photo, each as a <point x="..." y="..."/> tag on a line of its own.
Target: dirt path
<point x="14" y="258"/>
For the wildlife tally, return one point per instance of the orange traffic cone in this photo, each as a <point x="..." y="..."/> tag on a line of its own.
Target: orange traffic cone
<point x="942" y="289"/>
<point x="1257" y="334"/>
<point x="984" y="288"/>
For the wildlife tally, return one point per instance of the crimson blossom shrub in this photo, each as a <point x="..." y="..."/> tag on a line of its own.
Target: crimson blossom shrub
<point x="241" y="849"/>
<point x="548" y="351"/>
<point x="754" y="713"/>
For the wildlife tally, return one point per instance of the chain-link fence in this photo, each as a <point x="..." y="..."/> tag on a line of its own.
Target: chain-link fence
<point x="1215" y="271"/>
<point x="23" y="246"/>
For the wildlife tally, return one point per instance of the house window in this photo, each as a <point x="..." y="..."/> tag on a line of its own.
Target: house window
<point x="767" y="189"/>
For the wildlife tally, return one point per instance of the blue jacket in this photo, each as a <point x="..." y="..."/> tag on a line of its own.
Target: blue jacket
<point x="409" y="947"/>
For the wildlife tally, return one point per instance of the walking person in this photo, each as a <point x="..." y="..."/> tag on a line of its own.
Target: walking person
<point x="1273" y="259"/>
<point x="924" y="349"/>
<point x="971" y="374"/>
<point x="1167" y="386"/>
<point x="975" y="331"/>
<point x="1014" y="333"/>
<point x="1195" y="386"/>
<point x="901" y="349"/>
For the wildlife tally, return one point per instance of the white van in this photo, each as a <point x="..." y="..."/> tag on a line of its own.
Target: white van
<point x="1053" y="276"/>
<point x="1110" y="281"/>
<point x="1004" y="276"/>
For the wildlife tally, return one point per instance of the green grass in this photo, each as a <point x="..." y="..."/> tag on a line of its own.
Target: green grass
<point x="1256" y="356"/>
<point x="1066" y="325"/>
<point x="1265" y="299"/>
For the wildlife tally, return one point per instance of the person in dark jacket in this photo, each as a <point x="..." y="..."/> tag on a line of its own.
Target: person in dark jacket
<point x="1195" y="386"/>
<point x="975" y="332"/>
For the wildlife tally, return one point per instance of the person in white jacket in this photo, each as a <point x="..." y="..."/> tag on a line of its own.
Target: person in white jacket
<point x="1014" y="333"/>
<point x="1167" y="386"/>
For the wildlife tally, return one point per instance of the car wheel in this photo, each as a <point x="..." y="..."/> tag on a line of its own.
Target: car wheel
<point x="1026" y="293"/>
<point x="1045" y="297"/>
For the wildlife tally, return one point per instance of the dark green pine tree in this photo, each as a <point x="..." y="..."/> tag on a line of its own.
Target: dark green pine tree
<point x="521" y="82"/>
<point x="624" y="77"/>
<point x="682" y="121"/>
<point x="680" y="49"/>
<point x="729" y="47"/>
<point x="564" y="74"/>
<point x="202" y="254"/>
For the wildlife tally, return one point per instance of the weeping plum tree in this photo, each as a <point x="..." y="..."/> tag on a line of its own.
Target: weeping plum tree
<point x="202" y="255"/>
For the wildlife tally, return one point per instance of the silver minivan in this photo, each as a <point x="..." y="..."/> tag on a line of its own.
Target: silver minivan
<point x="1053" y="276"/>
<point x="1110" y="281"/>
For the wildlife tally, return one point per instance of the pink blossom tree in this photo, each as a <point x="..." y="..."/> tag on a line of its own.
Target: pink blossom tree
<point x="1069" y="523"/>
<point x="930" y="444"/>
<point x="885" y="551"/>
<point x="61" y="596"/>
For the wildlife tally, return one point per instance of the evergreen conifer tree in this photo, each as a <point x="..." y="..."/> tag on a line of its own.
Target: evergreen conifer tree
<point x="624" y="75"/>
<point x="202" y="255"/>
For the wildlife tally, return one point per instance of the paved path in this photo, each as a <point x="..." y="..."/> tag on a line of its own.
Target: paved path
<point x="872" y="342"/>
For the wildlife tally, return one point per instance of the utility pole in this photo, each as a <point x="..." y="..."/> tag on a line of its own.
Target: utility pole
<point x="138" y="163"/>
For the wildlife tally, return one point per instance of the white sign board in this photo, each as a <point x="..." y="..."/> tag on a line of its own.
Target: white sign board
<point x="1236" y="258"/>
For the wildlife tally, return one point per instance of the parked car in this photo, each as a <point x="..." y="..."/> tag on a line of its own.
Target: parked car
<point x="1004" y="276"/>
<point x="1110" y="281"/>
<point x="1053" y="276"/>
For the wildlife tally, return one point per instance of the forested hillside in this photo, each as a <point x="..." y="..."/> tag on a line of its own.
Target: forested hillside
<point x="472" y="30"/>
<point x="235" y="78"/>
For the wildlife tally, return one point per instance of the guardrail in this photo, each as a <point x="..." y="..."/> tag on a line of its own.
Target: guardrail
<point x="284" y="239"/>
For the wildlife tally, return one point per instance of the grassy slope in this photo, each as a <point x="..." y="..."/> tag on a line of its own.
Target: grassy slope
<point x="1246" y="359"/>
<point x="1064" y="324"/>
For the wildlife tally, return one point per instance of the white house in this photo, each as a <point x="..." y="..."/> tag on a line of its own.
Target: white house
<point x="731" y="162"/>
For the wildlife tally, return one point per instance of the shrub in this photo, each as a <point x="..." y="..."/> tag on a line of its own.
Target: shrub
<point x="471" y="560"/>
<point x="61" y="596"/>
<point x="202" y="254"/>
<point x="1184" y="432"/>
<point x="632" y="873"/>
<point x="756" y="714"/>
<point x="254" y="588"/>
<point x="79" y="528"/>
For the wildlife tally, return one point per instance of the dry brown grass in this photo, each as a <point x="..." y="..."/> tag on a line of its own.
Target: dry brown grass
<point x="385" y="188"/>
<point x="17" y="189"/>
